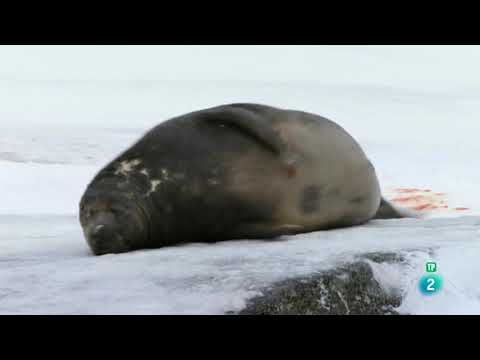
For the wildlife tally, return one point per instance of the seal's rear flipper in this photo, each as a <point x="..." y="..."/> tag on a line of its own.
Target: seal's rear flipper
<point x="387" y="211"/>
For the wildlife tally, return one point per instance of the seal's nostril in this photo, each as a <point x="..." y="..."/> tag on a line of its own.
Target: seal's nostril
<point x="98" y="228"/>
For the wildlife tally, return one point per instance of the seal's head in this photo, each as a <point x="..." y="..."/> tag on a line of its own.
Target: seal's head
<point x="112" y="221"/>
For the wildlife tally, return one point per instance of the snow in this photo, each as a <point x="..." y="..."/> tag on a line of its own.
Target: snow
<point x="67" y="111"/>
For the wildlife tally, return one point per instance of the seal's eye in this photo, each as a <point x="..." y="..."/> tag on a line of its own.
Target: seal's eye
<point x="88" y="213"/>
<point x="115" y="211"/>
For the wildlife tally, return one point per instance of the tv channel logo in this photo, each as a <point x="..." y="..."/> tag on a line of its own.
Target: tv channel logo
<point x="431" y="283"/>
<point x="431" y="266"/>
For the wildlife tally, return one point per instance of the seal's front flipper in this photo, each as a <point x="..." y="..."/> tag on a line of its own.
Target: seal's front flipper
<point x="249" y="123"/>
<point x="265" y="230"/>
<point x="387" y="211"/>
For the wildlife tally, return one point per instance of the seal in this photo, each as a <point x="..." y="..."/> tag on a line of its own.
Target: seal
<point x="237" y="171"/>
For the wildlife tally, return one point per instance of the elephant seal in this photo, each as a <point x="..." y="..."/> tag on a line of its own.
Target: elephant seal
<point x="237" y="171"/>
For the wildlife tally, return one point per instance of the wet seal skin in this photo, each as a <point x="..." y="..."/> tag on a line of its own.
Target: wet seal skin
<point x="358" y="200"/>
<point x="310" y="199"/>
<point x="237" y="171"/>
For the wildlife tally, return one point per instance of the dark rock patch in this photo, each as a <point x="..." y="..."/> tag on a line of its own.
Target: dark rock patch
<point x="350" y="289"/>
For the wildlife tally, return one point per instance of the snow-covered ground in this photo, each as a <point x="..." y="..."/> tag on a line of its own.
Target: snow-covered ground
<point x="64" y="113"/>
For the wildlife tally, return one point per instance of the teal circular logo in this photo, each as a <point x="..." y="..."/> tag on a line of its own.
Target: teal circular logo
<point x="430" y="284"/>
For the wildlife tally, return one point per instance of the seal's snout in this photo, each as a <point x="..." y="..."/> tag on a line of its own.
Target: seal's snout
<point x="98" y="230"/>
<point x="111" y="224"/>
<point x="100" y="235"/>
<point x="104" y="233"/>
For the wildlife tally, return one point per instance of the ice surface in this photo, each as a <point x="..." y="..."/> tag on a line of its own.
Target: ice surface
<point x="46" y="267"/>
<point x="65" y="113"/>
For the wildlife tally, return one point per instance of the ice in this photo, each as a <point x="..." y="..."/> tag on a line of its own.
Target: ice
<point x="46" y="267"/>
<point x="67" y="111"/>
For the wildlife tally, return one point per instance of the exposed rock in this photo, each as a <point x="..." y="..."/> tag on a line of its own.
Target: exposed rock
<point x="350" y="289"/>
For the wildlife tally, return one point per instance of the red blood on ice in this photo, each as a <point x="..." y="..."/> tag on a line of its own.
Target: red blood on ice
<point x="409" y="198"/>
<point x="407" y="190"/>
<point x="425" y="207"/>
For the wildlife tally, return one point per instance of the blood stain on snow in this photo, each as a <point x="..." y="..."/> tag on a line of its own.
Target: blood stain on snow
<point x="407" y="190"/>
<point x="424" y="200"/>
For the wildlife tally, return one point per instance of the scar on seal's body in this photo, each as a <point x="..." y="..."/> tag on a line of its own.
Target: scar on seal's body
<point x="127" y="166"/>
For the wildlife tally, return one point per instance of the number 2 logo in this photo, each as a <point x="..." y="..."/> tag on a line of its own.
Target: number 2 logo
<point x="431" y="283"/>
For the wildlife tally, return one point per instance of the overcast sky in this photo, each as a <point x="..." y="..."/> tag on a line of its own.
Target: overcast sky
<point x="400" y="66"/>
